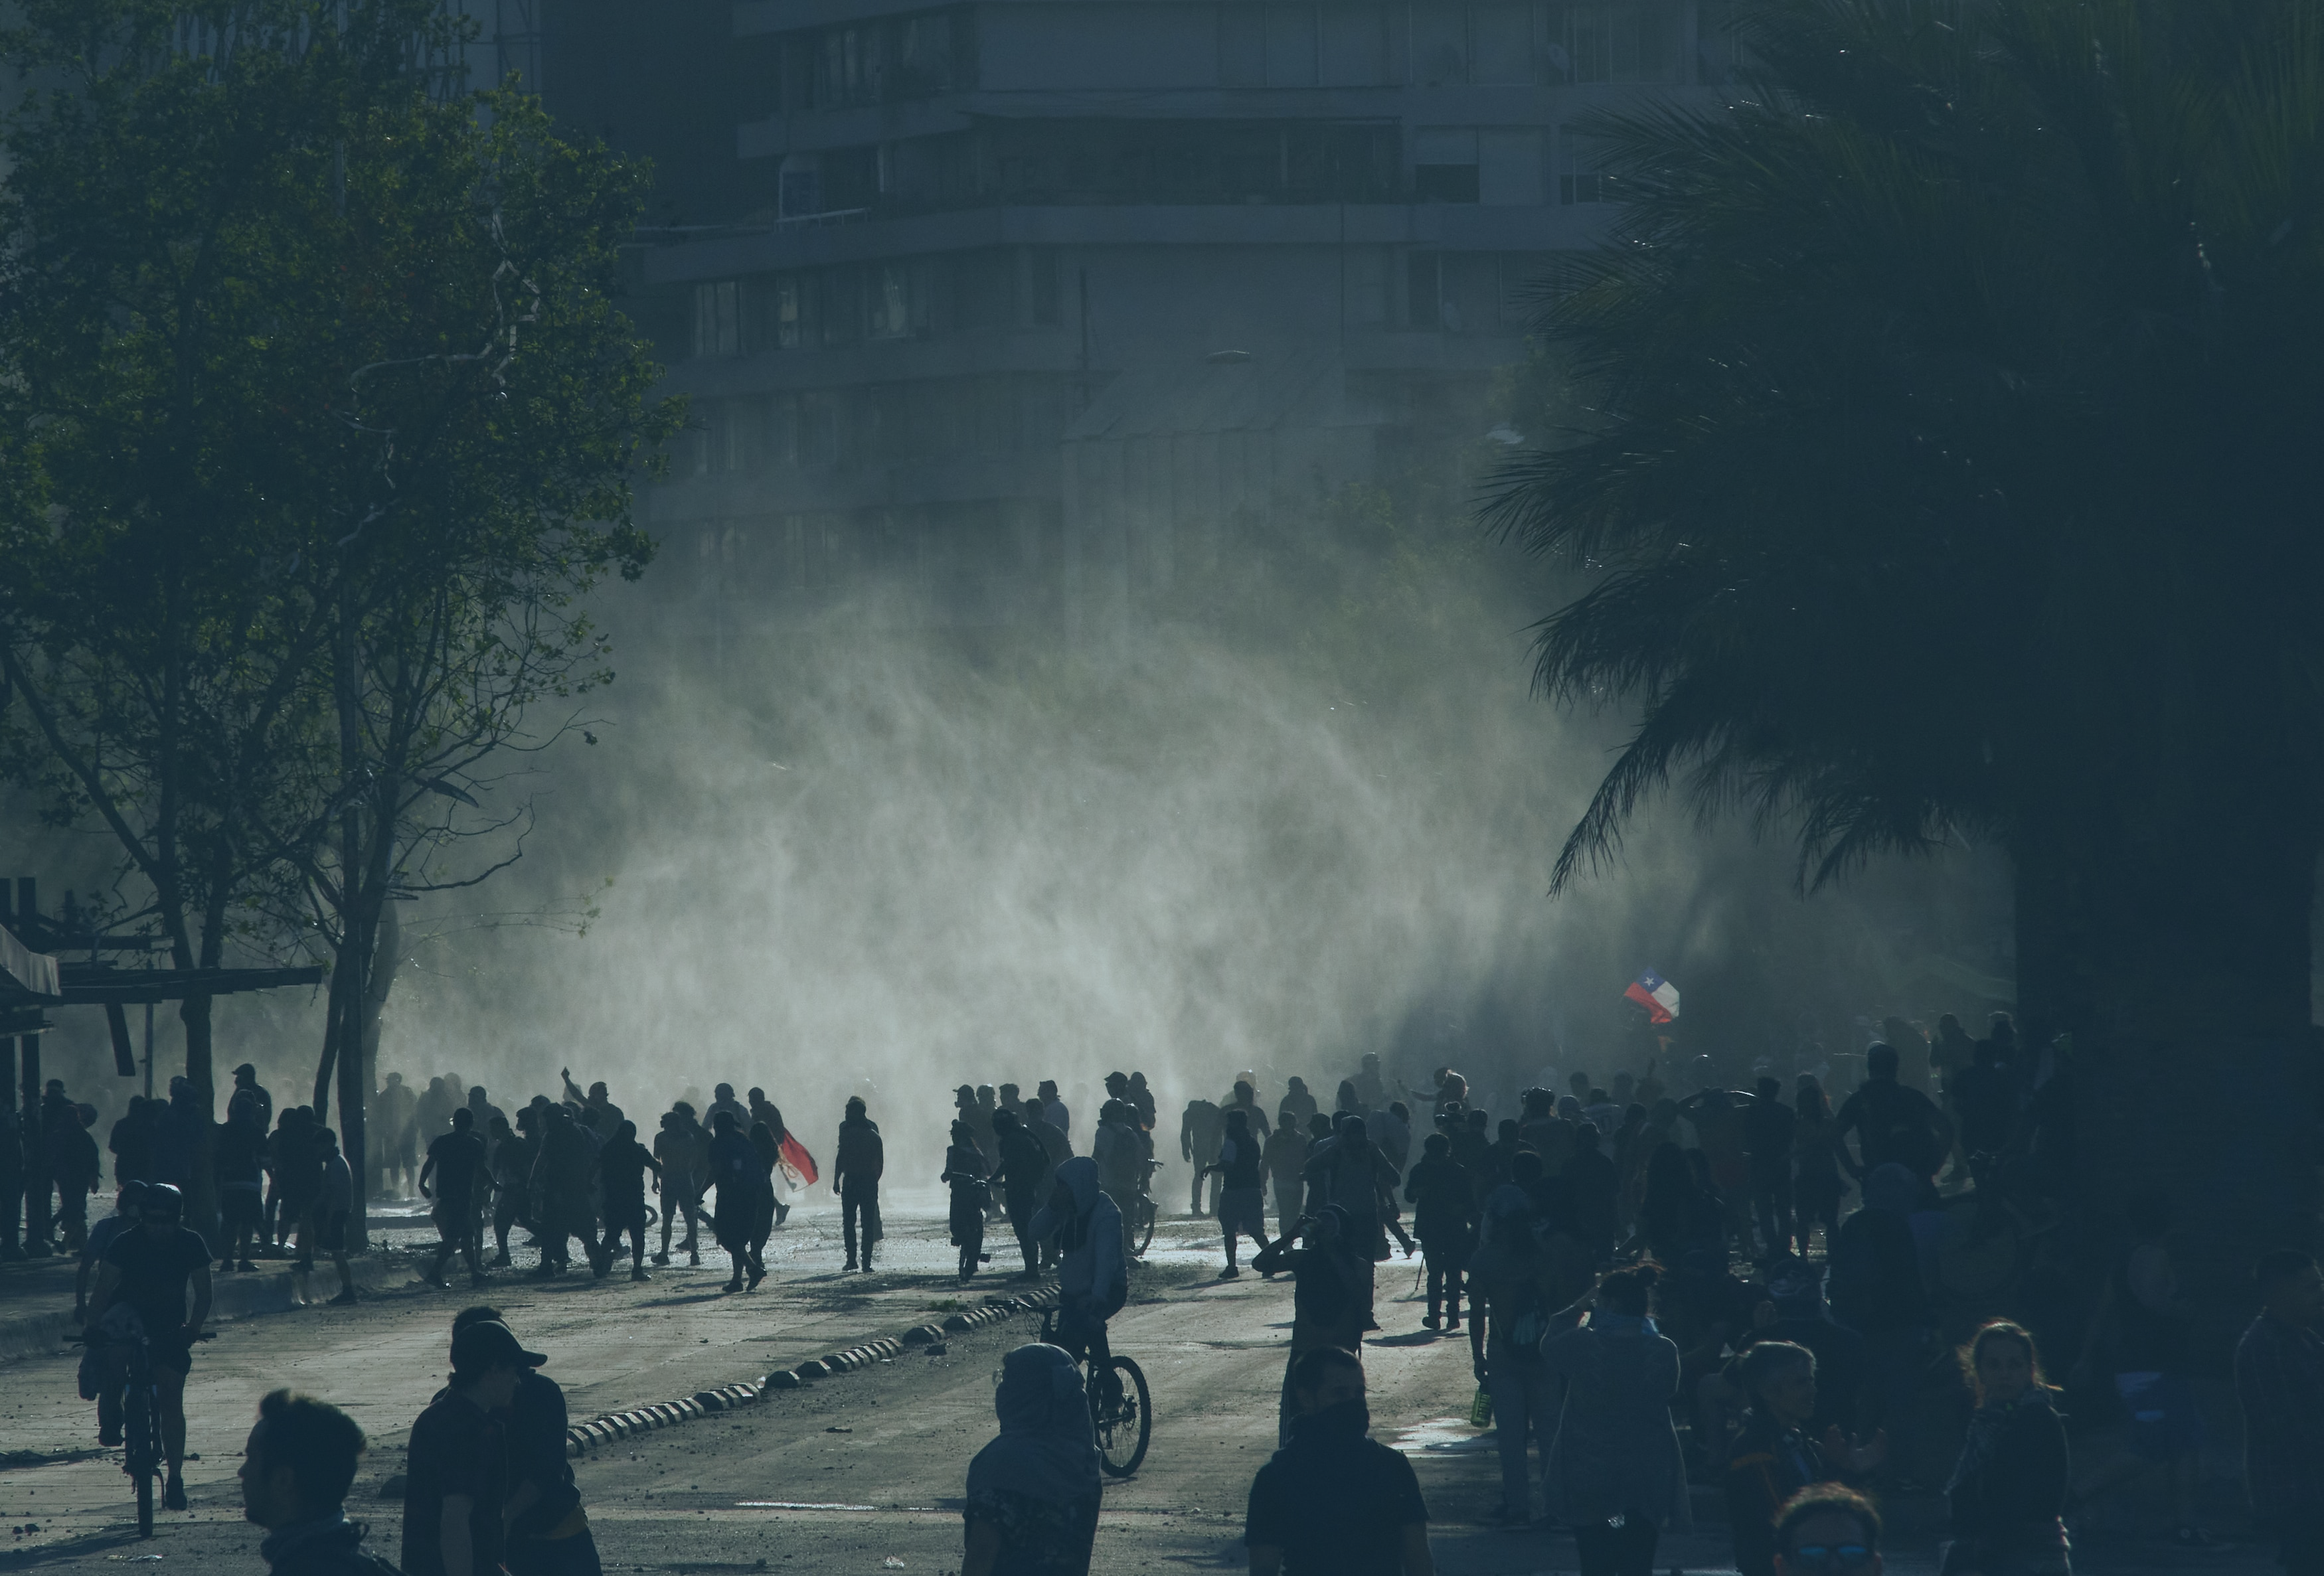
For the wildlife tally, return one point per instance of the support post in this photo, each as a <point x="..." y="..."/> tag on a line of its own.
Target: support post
<point x="36" y="1148"/>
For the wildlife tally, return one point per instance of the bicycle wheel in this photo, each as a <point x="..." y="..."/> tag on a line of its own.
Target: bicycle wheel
<point x="1144" y="1233"/>
<point x="138" y="1459"/>
<point x="1125" y="1424"/>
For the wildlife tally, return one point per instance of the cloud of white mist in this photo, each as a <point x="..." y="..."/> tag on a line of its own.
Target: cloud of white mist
<point x="883" y="863"/>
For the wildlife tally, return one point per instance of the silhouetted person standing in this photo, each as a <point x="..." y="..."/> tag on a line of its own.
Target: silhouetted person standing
<point x="1024" y="1172"/>
<point x="746" y="1196"/>
<point x="456" y="1165"/>
<point x="856" y="1177"/>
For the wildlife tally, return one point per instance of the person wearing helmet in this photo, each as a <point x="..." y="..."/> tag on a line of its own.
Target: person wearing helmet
<point x="160" y="1272"/>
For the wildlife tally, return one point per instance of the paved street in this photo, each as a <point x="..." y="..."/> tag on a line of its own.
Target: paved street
<point x="854" y="1473"/>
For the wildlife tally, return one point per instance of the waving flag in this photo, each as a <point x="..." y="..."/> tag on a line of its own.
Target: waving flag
<point x="1658" y="995"/>
<point x="798" y="1165"/>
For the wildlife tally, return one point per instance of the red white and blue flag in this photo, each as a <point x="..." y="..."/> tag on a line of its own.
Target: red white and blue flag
<point x="1658" y="995"/>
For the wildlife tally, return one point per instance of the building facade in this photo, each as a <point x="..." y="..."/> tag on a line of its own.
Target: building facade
<point x="1032" y="304"/>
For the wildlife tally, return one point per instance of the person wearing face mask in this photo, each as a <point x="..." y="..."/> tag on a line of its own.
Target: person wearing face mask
<point x="2008" y="1487"/>
<point x="1033" y="1492"/>
<point x="1334" y="1502"/>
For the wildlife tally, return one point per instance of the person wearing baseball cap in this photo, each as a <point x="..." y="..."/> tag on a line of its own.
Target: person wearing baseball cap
<point x="548" y="1531"/>
<point x="457" y="1476"/>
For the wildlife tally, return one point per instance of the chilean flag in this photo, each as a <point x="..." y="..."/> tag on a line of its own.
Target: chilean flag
<point x="1658" y="995"/>
<point x="798" y="1165"/>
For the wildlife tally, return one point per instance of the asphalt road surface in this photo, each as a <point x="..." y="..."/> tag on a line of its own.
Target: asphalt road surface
<point x="861" y="1472"/>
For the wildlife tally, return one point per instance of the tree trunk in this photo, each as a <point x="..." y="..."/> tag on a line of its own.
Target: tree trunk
<point x="2175" y="948"/>
<point x="334" y="1016"/>
<point x="201" y="1189"/>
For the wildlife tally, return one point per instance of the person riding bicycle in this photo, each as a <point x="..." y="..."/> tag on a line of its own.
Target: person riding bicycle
<point x="1121" y="1151"/>
<point x="1093" y="1278"/>
<point x="148" y="1272"/>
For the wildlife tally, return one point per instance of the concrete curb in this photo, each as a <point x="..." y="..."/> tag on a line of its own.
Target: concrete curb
<point x="584" y="1437"/>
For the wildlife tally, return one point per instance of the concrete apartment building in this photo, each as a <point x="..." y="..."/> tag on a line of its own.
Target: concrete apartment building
<point x="1036" y="303"/>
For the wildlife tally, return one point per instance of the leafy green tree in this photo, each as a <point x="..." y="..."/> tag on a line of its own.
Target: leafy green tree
<point x="1952" y="398"/>
<point x="320" y="419"/>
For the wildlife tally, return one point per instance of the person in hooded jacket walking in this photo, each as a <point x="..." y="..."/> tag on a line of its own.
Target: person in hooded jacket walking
<point x="1033" y="1492"/>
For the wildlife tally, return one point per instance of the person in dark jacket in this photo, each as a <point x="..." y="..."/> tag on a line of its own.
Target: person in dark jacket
<point x="1591" y="1187"/>
<point x="1331" y="1296"/>
<point x="1024" y="1174"/>
<point x="548" y="1530"/>
<point x="1334" y="1502"/>
<point x="1444" y="1218"/>
<point x="1876" y="1290"/>
<point x="296" y="1468"/>
<point x="76" y="1169"/>
<point x="855" y="1178"/>
<point x="456" y="1165"/>
<point x="132" y="1140"/>
<point x="564" y="1175"/>
<point x="1242" y="1197"/>
<point x="970" y="1179"/>
<point x="2008" y="1488"/>
<point x="1285" y="1156"/>
<point x="746" y="1198"/>
<point x="239" y="1161"/>
<point x="622" y="1164"/>
<point x="1774" y="1455"/>
<point x="1351" y="1173"/>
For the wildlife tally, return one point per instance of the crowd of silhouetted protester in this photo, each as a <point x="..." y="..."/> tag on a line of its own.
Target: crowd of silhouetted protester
<point x="1658" y="1290"/>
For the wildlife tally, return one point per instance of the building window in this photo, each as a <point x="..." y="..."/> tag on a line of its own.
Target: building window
<point x="1613" y="43"/>
<point x="1444" y="164"/>
<point x="1425" y="288"/>
<point x="717" y="319"/>
<point x="890" y="307"/>
<point x="1580" y="174"/>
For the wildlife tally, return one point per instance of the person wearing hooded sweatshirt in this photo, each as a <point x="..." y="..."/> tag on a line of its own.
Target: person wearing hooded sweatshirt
<point x="1332" y="1501"/>
<point x="1033" y="1492"/>
<point x="1093" y="1269"/>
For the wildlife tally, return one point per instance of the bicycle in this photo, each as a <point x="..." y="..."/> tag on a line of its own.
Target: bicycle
<point x="1121" y="1408"/>
<point x="1138" y="1223"/>
<point x="141" y="1455"/>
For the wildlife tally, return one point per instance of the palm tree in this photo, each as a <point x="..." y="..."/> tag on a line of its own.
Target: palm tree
<point x="1957" y="393"/>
